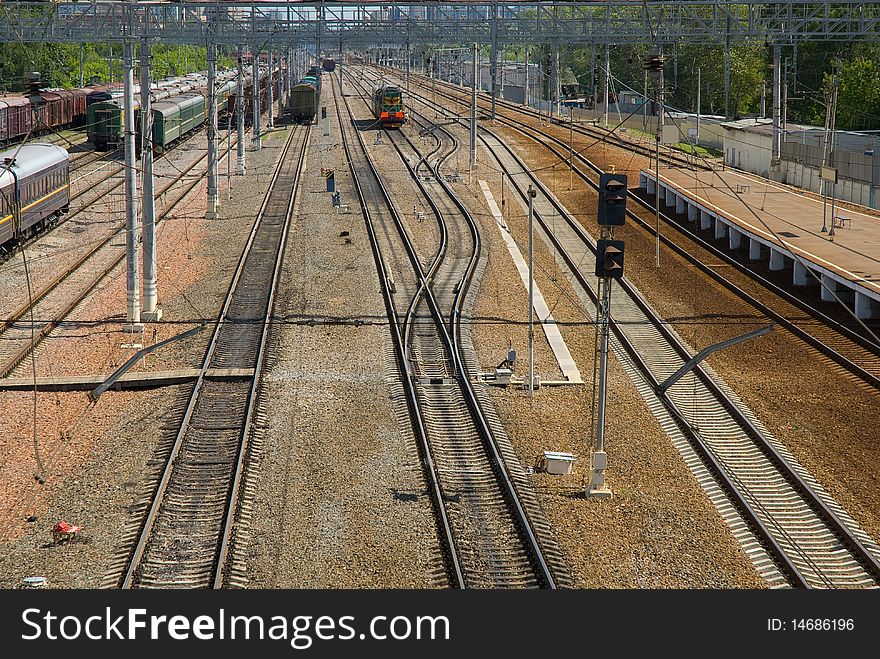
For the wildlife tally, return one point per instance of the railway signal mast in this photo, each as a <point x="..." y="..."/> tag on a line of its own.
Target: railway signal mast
<point x="609" y="266"/>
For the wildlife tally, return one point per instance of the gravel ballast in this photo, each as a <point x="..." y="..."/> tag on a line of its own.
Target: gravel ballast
<point x="340" y="501"/>
<point x="97" y="456"/>
<point x="659" y="530"/>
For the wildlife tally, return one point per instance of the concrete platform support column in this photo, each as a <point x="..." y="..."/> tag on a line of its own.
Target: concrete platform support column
<point x="643" y="180"/>
<point x="705" y="220"/>
<point x="800" y="275"/>
<point x="670" y="196"/>
<point x="680" y="204"/>
<point x="734" y="238"/>
<point x="720" y="229"/>
<point x="651" y="186"/>
<point x="829" y="287"/>
<point x="754" y="249"/>
<point x="693" y="212"/>
<point x="777" y="259"/>
<point x="864" y="306"/>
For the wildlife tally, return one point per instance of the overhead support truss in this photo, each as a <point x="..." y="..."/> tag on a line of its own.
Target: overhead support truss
<point x="398" y="23"/>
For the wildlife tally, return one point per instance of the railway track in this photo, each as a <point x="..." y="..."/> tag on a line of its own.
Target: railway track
<point x="57" y="299"/>
<point x="857" y="355"/>
<point x="95" y="191"/>
<point x="187" y="535"/>
<point x="672" y="157"/>
<point x="494" y="533"/>
<point x="792" y="529"/>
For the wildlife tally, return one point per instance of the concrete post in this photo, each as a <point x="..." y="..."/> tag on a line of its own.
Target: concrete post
<point x="754" y="249"/>
<point x="720" y="229"/>
<point x="493" y="62"/>
<point x="148" y="206"/>
<point x="735" y="238"/>
<point x="239" y="116"/>
<point x="863" y="306"/>
<point x="473" y="136"/>
<point x="271" y="89"/>
<point x="256" y="99"/>
<point x="777" y="259"/>
<point x="607" y="81"/>
<point x="693" y="212"/>
<point x="799" y="275"/>
<point x="776" y="147"/>
<point x="213" y="196"/>
<point x="554" y="80"/>
<point x="705" y="220"/>
<point x="132" y="267"/>
<point x="829" y="287"/>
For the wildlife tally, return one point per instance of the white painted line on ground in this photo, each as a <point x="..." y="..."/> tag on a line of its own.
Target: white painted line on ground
<point x="542" y="311"/>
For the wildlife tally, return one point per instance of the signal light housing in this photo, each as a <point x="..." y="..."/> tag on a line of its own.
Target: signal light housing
<point x="609" y="259"/>
<point x="612" y="199"/>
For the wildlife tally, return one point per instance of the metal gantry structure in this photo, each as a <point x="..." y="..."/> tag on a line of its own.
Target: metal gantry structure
<point x="277" y="26"/>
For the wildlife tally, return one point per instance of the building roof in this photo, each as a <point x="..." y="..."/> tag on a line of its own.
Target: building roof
<point x="856" y="141"/>
<point x="759" y="126"/>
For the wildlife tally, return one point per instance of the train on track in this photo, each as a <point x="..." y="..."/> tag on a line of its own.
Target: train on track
<point x="388" y="107"/>
<point x="179" y="105"/>
<point x="329" y="64"/>
<point x="302" y="102"/>
<point x="99" y="107"/>
<point x="41" y="110"/>
<point x="34" y="190"/>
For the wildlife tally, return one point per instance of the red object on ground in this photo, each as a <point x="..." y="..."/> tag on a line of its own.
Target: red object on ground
<point x="63" y="531"/>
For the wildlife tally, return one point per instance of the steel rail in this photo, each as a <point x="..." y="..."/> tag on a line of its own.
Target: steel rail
<point x="48" y="325"/>
<point x="419" y="425"/>
<point x="451" y="337"/>
<point x="149" y="522"/>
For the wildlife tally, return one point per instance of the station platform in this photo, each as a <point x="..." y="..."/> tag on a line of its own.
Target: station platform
<point x="846" y="257"/>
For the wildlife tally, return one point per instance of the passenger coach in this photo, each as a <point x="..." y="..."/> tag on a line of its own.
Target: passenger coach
<point x="34" y="189"/>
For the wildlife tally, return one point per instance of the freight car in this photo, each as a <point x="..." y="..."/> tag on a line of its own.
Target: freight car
<point x="34" y="190"/>
<point x="16" y="117"/>
<point x="388" y="106"/>
<point x="302" y="102"/>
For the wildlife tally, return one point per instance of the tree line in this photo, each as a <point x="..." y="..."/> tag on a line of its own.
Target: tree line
<point x="59" y="64"/>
